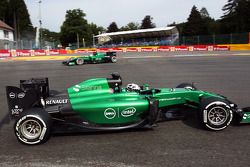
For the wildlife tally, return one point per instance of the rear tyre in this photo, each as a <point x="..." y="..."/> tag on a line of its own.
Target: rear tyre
<point x="113" y="59"/>
<point x="216" y="113"/>
<point x="33" y="127"/>
<point x="79" y="61"/>
<point x="186" y="86"/>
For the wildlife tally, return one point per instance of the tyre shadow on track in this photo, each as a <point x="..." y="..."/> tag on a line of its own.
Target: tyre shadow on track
<point x="192" y="119"/>
<point x="79" y="133"/>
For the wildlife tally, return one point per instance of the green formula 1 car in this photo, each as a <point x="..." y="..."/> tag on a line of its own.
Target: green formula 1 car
<point x="101" y="104"/>
<point x="96" y="57"/>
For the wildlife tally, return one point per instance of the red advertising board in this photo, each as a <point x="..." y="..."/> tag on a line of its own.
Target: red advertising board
<point x="82" y="51"/>
<point x="200" y="48"/>
<point x="39" y="52"/>
<point x="14" y="53"/>
<point x="101" y="50"/>
<point x="181" y="48"/>
<point x="62" y="51"/>
<point x="4" y="53"/>
<point x="131" y="49"/>
<point x="116" y="50"/>
<point x="149" y="49"/>
<point x="163" y="48"/>
<point x="221" y="48"/>
<point x="54" y="52"/>
<point x="23" y="53"/>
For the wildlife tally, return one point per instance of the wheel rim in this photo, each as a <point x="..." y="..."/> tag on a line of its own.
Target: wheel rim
<point x="31" y="129"/>
<point x="79" y="61"/>
<point x="217" y="115"/>
<point x="113" y="59"/>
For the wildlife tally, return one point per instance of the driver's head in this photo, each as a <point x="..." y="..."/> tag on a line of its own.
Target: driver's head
<point x="133" y="87"/>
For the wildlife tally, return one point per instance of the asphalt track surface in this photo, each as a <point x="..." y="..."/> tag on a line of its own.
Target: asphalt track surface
<point x="172" y="143"/>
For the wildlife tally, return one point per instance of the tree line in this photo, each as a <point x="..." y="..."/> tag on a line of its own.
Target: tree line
<point x="16" y="15"/>
<point x="236" y="19"/>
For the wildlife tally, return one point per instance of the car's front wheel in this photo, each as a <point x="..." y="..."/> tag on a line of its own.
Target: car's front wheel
<point x="79" y="61"/>
<point x="33" y="127"/>
<point x="113" y="59"/>
<point x="216" y="113"/>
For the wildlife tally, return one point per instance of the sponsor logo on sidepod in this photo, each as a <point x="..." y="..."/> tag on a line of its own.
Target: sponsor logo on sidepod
<point x="109" y="113"/>
<point x="128" y="112"/>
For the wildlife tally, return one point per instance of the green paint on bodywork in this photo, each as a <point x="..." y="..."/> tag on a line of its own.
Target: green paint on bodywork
<point x="94" y="101"/>
<point x="97" y="103"/>
<point x="93" y="58"/>
<point x="177" y="96"/>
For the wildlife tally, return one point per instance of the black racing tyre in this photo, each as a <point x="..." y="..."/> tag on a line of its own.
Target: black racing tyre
<point x="187" y="86"/>
<point x="216" y="113"/>
<point x="79" y="61"/>
<point x="33" y="127"/>
<point x="113" y="59"/>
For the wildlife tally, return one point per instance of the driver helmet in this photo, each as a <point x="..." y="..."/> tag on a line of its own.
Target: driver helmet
<point x="133" y="87"/>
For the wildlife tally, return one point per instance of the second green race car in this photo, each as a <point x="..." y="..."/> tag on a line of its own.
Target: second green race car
<point x="96" y="57"/>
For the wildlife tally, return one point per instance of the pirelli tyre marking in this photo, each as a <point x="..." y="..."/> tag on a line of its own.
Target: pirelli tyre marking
<point x="29" y="128"/>
<point x="217" y="115"/>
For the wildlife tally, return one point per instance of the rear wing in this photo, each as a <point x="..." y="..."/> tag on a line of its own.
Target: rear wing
<point x="29" y="94"/>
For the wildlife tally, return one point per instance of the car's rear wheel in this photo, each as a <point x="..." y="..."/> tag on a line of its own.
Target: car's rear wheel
<point x="186" y="86"/>
<point x="79" y="61"/>
<point x="113" y="59"/>
<point x="33" y="127"/>
<point x="216" y="113"/>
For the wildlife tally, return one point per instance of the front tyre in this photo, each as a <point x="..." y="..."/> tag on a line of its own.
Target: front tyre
<point x="79" y="61"/>
<point x="113" y="59"/>
<point x="33" y="127"/>
<point x="216" y="113"/>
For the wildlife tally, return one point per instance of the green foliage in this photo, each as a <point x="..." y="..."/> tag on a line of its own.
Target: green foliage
<point x="147" y="22"/>
<point x="50" y="36"/>
<point x="75" y="25"/>
<point x="229" y="8"/>
<point x="195" y="25"/>
<point x="236" y="17"/>
<point x="3" y="9"/>
<point x="112" y="27"/>
<point x="15" y="14"/>
<point x="204" y="13"/>
<point x="95" y="30"/>
<point x="130" y="26"/>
